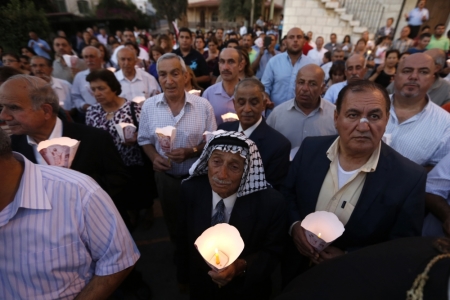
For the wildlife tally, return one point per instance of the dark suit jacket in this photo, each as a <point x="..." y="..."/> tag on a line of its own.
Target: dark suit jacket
<point x="384" y="271"/>
<point x="260" y="219"/>
<point x="391" y="204"/>
<point x="96" y="156"/>
<point x="273" y="147"/>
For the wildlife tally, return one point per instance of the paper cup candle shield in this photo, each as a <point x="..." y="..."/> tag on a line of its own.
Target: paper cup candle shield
<point x="59" y="151"/>
<point x="220" y="245"/>
<point x="322" y="228"/>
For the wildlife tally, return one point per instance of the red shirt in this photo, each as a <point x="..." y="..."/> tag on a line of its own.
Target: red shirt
<point x="306" y="48"/>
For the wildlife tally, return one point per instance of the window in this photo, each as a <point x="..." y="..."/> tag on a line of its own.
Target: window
<point x="214" y="17"/>
<point x="83" y="7"/>
<point x="61" y="4"/>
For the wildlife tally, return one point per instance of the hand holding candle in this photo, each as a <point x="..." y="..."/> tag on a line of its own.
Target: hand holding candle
<point x="322" y="228"/>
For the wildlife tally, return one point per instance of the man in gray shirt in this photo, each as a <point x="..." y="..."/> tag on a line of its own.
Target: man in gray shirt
<point x="307" y="114"/>
<point x="61" y="70"/>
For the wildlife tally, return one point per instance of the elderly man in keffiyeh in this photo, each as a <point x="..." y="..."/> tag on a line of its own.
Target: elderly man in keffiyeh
<point x="228" y="185"/>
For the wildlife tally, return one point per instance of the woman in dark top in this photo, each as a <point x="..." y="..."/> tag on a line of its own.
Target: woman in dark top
<point x="384" y="74"/>
<point x="106" y="114"/>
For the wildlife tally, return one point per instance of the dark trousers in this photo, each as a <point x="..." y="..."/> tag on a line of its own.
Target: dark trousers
<point x="414" y="31"/>
<point x="169" y="194"/>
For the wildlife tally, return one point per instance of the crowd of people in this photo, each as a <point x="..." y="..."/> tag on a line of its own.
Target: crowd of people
<point x="356" y="129"/>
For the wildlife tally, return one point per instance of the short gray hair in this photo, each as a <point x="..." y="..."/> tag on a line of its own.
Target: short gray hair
<point x="171" y="56"/>
<point x="39" y="91"/>
<point x="5" y="145"/>
<point x="99" y="54"/>
<point x="250" y="82"/>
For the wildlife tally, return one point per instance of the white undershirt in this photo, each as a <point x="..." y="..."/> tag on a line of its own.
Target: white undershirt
<point x="229" y="204"/>
<point x="249" y="130"/>
<point x="344" y="176"/>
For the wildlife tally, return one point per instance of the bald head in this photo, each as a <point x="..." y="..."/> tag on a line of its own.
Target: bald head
<point x="295" y="39"/>
<point x="308" y="87"/>
<point x="126" y="51"/>
<point x="355" y="68"/>
<point x="439" y="57"/>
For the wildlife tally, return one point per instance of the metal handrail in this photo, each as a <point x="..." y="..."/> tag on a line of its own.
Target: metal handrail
<point x="368" y="12"/>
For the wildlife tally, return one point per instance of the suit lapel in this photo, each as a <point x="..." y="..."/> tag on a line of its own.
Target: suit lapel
<point x="204" y="206"/>
<point x="259" y="132"/>
<point x="23" y="147"/>
<point x="70" y="132"/>
<point x="374" y="184"/>
<point x="242" y="216"/>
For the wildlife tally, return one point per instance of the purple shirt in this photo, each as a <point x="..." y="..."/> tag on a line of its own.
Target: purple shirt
<point x="220" y="101"/>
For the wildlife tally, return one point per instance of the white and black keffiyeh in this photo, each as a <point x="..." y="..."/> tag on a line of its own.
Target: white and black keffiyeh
<point x="253" y="178"/>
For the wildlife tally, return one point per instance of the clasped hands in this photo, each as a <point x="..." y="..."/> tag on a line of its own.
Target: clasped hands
<point x="179" y="155"/>
<point x="305" y="248"/>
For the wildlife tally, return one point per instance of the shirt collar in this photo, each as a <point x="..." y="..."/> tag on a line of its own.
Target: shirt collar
<point x="248" y="132"/>
<point x="31" y="192"/>
<point x="229" y="201"/>
<point x="187" y="97"/>
<point x="56" y="133"/>
<point x="56" y="84"/>
<point x="221" y="91"/>
<point x="137" y="76"/>
<point x="295" y="106"/>
<point x="369" y="166"/>
<point x="392" y="110"/>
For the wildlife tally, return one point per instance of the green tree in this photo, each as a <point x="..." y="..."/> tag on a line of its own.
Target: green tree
<point x="170" y="9"/>
<point x="17" y="19"/>
<point x="116" y="9"/>
<point x="230" y="9"/>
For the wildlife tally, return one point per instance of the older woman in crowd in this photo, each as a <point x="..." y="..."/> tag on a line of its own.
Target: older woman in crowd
<point x="336" y="74"/>
<point x="110" y="111"/>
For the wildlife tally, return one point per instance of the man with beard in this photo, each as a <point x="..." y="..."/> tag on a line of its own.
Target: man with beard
<point x="417" y="128"/>
<point x="355" y="69"/>
<point x="281" y="70"/>
<point x="61" y="70"/>
<point x="220" y="95"/>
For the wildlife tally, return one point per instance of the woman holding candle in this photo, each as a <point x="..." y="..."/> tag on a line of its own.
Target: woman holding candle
<point x="109" y="111"/>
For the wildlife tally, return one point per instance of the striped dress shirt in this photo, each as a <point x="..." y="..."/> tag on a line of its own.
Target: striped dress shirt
<point x="196" y="117"/>
<point x="423" y="138"/>
<point x="60" y="230"/>
<point x="438" y="183"/>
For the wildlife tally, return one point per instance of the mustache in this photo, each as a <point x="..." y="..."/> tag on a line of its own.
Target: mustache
<point x="219" y="181"/>
<point x="412" y="83"/>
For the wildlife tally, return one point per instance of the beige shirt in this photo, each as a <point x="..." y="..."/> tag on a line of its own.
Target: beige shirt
<point x="342" y="201"/>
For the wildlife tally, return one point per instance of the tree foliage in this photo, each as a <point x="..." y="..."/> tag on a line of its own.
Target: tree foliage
<point x="116" y="9"/>
<point x="229" y="9"/>
<point x="170" y="9"/>
<point x="17" y="19"/>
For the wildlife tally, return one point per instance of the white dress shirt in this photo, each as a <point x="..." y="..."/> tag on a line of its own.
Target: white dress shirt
<point x="81" y="90"/>
<point x="56" y="133"/>
<point x="62" y="89"/>
<point x="249" y="130"/>
<point x="423" y="138"/>
<point x="143" y="84"/>
<point x="229" y="204"/>
<point x="317" y="55"/>
<point x="103" y="39"/>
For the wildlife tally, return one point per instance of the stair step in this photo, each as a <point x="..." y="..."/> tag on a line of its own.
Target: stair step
<point x="359" y="29"/>
<point x="332" y="4"/>
<point x="340" y="10"/>
<point x="347" y="17"/>
<point x="355" y="23"/>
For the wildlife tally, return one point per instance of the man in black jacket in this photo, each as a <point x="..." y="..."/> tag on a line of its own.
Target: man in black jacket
<point x="30" y="109"/>
<point x="228" y="185"/>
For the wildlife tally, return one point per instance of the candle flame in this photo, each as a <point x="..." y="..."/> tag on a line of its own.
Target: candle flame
<point x="319" y="235"/>
<point x="217" y="257"/>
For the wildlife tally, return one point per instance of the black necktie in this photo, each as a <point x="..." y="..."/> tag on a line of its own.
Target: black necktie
<point x="219" y="216"/>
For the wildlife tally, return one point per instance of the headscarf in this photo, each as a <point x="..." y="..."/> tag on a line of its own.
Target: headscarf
<point x="253" y="178"/>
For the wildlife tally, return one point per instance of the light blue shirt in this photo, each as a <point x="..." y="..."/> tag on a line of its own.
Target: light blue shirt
<point x="39" y="51"/>
<point x="196" y="117"/>
<point x="60" y="230"/>
<point x="423" y="138"/>
<point x="279" y="77"/>
<point x="333" y="91"/>
<point x="220" y="101"/>
<point x="81" y="90"/>
<point x="63" y="89"/>
<point x="438" y="183"/>
<point x="416" y="15"/>
<point x="263" y="63"/>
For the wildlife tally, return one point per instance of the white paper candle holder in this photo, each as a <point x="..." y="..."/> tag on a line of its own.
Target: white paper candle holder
<point x="139" y="100"/>
<point x="166" y="137"/>
<point x="208" y="135"/>
<point x="59" y="151"/>
<point x="230" y="117"/>
<point x="325" y="224"/>
<point x="226" y="239"/>
<point x="125" y="130"/>
<point x="70" y="60"/>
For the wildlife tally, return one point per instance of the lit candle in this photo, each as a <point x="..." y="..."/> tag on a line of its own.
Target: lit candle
<point x="319" y="235"/>
<point x="217" y="257"/>
<point x="368" y="55"/>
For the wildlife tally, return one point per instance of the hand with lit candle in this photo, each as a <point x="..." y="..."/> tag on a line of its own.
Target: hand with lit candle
<point x="302" y="244"/>
<point x="227" y="274"/>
